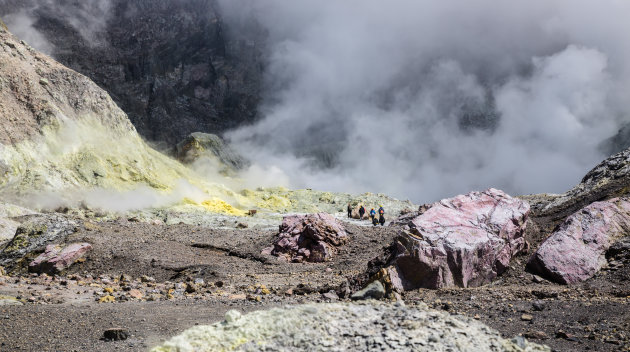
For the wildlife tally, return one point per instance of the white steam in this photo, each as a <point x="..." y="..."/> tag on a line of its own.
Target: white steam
<point x="427" y="99"/>
<point x="87" y="17"/>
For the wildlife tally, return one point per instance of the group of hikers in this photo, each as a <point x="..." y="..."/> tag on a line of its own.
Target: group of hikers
<point x="375" y="221"/>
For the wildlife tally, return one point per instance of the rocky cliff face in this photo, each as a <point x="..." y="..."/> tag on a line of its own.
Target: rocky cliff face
<point x="170" y="65"/>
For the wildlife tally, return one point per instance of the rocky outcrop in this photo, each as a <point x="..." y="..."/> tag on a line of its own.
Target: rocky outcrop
<point x="310" y="238"/>
<point x="173" y="66"/>
<point x="345" y="327"/>
<point x="576" y="250"/>
<point x="464" y="241"/>
<point x="609" y="179"/>
<point x="8" y="225"/>
<point x="204" y="145"/>
<point x="34" y="234"/>
<point x="56" y="259"/>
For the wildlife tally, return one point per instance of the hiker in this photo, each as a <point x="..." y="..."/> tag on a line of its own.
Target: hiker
<point x="361" y="212"/>
<point x="374" y="221"/>
<point x="349" y="211"/>
<point x="381" y="219"/>
<point x="381" y="211"/>
<point x="372" y="214"/>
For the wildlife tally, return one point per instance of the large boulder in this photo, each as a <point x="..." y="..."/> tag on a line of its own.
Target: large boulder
<point x="311" y="238"/>
<point x="345" y="327"/>
<point x="464" y="241"/>
<point x="56" y="259"/>
<point x="199" y="145"/>
<point x="577" y="249"/>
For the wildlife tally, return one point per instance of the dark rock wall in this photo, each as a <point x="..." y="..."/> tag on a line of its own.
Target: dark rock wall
<point x="172" y="66"/>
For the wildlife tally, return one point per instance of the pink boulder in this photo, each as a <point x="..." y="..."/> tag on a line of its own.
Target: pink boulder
<point x="55" y="259"/>
<point x="576" y="250"/>
<point x="464" y="241"/>
<point x="311" y="238"/>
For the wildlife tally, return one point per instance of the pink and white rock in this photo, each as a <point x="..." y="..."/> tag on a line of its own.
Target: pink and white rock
<point x="312" y="238"/>
<point x="55" y="259"/>
<point x="464" y="241"/>
<point x="576" y="250"/>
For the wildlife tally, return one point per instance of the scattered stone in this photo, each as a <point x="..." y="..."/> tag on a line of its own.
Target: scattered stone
<point x="536" y="335"/>
<point x="538" y="306"/>
<point x="464" y="241"/>
<point x="374" y="290"/>
<point x="311" y="238"/>
<point x="55" y="259"/>
<point x="107" y="299"/>
<point x="135" y="294"/>
<point x="145" y="278"/>
<point x="115" y="334"/>
<point x="576" y="250"/>
<point x="527" y="317"/>
<point x="537" y="279"/>
<point x="331" y="295"/>
<point x="563" y="335"/>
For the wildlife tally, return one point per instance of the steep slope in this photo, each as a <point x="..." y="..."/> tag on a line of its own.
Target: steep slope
<point x="170" y="65"/>
<point x="60" y="133"/>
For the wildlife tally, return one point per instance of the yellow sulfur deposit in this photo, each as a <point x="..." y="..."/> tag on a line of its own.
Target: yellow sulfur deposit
<point x="218" y="206"/>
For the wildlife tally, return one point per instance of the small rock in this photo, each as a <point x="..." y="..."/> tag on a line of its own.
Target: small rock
<point x="115" y="334"/>
<point x="374" y="290"/>
<point x="537" y="335"/>
<point x="538" y="306"/>
<point x="537" y="279"/>
<point x="191" y="288"/>
<point x="145" y="278"/>
<point x="563" y="335"/>
<point x="240" y="296"/>
<point x="135" y="294"/>
<point x="527" y="317"/>
<point x="107" y="299"/>
<point x="289" y="292"/>
<point x="331" y="295"/>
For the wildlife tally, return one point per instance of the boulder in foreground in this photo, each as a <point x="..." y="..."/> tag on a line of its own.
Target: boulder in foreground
<point x="345" y="327"/>
<point x="464" y="241"/>
<point x="56" y="259"/>
<point x="576" y="250"/>
<point x="311" y="238"/>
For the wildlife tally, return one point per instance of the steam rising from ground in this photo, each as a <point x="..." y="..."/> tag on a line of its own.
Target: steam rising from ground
<point x="87" y="17"/>
<point x="425" y="99"/>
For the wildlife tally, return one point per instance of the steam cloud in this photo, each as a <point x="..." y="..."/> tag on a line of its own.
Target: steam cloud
<point x="426" y="99"/>
<point x="87" y="17"/>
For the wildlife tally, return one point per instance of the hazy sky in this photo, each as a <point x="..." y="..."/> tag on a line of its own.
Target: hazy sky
<point x="428" y="99"/>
